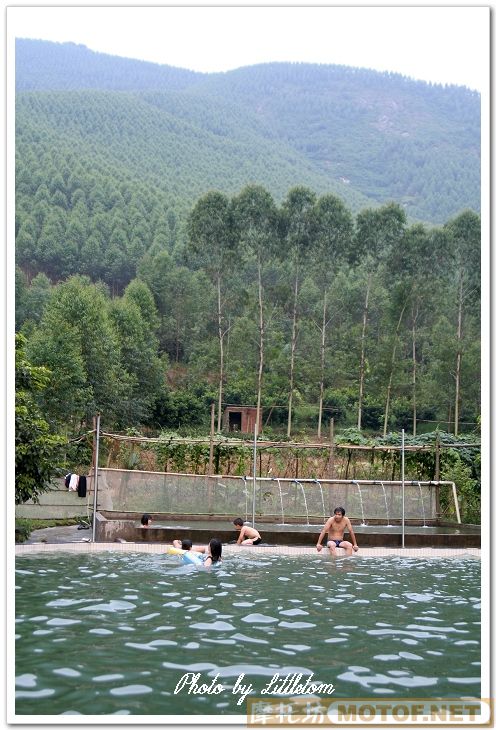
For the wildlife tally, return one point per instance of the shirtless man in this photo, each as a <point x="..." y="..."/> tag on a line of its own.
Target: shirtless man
<point x="247" y="535"/>
<point x="335" y="526"/>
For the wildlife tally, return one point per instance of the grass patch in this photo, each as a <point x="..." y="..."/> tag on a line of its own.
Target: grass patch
<point x="24" y="526"/>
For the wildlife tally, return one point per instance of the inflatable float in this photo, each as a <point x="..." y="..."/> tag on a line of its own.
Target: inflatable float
<point x="190" y="557"/>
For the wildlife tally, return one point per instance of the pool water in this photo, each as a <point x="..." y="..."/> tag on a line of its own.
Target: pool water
<point x="115" y="633"/>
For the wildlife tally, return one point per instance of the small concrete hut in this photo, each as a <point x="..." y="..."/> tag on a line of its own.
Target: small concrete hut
<point x="240" y="418"/>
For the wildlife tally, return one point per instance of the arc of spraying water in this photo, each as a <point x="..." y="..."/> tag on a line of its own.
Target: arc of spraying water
<point x="275" y="479"/>
<point x="354" y="481"/>
<point x="386" y="503"/>
<point x="422" y="502"/>
<point x="246" y="498"/>
<point x="304" y="497"/>
<point x="322" y="498"/>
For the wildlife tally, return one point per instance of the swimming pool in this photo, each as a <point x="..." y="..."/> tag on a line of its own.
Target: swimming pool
<point x="115" y="633"/>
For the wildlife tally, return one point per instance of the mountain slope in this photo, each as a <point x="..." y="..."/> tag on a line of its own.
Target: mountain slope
<point x="368" y="137"/>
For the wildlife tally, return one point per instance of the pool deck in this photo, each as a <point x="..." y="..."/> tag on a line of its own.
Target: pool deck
<point x="135" y="547"/>
<point x="69" y="538"/>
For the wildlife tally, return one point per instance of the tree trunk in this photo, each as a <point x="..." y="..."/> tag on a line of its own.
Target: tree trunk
<point x="322" y="366"/>
<point x="362" y="353"/>
<point x="177" y="342"/>
<point x="261" y="343"/>
<point x="390" y="383"/>
<point x="458" y="358"/>
<point x="414" y="369"/>
<point x="293" y="350"/>
<point x="221" y="354"/>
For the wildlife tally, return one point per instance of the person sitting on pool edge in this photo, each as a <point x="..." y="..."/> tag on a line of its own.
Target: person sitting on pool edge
<point x="247" y="535"/>
<point x="335" y="527"/>
<point x="145" y="520"/>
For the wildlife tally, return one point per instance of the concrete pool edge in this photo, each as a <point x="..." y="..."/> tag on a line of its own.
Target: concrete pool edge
<point x="134" y="547"/>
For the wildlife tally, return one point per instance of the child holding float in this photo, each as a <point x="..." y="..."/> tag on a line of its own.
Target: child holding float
<point x="198" y="554"/>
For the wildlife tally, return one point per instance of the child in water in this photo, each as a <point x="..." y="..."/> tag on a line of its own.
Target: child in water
<point x="214" y="552"/>
<point x="187" y="544"/>
<point x="247" y="535"/>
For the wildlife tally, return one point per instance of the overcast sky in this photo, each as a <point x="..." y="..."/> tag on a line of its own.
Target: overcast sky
<point x="448" y="45"/>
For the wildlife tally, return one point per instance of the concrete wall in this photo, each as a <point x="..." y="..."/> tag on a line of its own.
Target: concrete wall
<point x="58" y="503"/>
<point x="129" y="530"/>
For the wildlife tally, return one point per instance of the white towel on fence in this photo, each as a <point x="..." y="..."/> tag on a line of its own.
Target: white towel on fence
<point x="73" y="483"/>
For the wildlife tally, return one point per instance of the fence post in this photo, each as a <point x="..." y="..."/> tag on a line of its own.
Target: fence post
<point x="331" y="463"/>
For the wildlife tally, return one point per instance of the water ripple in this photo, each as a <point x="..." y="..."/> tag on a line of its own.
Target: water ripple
<point x="78" y="650"/>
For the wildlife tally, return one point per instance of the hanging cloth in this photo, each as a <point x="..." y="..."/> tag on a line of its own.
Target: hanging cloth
<point x="73" y="483"/>
<point x="82" y="486"/>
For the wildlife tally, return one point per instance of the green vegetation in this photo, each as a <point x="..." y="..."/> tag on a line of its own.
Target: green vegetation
<point x="332" y="321"/>
<point x="24" y="526"/>
<point x="110" y="127"/>
<point x="38" y="452"/>
<point x="186" y="239"/>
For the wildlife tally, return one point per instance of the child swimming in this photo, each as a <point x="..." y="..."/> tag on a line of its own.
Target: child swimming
<point x="192" y="555"/>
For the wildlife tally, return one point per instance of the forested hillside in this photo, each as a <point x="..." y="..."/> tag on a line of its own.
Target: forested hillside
<point x="184" y="238"/>
<point x="368" y="137"/>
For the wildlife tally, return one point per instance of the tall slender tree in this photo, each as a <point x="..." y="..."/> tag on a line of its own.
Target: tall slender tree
<point x="464" y="236"/>
<point x="212" y="240"/>
<point x="376" y="231"/>
<point x="298" y="227"/>
<point x="333" y="235"/>
<point x="256" y="218"/>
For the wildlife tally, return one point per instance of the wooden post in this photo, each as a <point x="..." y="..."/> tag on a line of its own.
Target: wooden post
<point x="436" y="473"/>
<point x="331" y="464"/>
<point x="331" y="449"/>
<point x="94" y="446"/>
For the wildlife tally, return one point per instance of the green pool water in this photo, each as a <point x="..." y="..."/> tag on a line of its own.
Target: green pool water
<point x="115" y="633"/>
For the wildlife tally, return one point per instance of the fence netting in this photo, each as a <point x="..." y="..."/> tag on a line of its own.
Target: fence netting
<point x="135" y="491"/>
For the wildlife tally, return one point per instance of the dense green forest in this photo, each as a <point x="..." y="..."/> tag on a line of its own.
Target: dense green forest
<point x="364" y="136"/>
<point x="302" y="309"/>
<point x="184" y="238"/>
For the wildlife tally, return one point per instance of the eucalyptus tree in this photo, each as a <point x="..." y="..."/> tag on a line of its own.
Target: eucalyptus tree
<point x="36" y="298"/>
<point x="376" y="232"/>
<point x="255" y="215"/>
<point x="21" y="290"/>
<point x="213" y="242"/>
<point x="333" y="235"/>
<point x="298" y="239"/>
<point x="183" y="298"/>
<point x="403" y="270"/>
<point x="464" y="241"/>
<point x="415" y="268"/>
